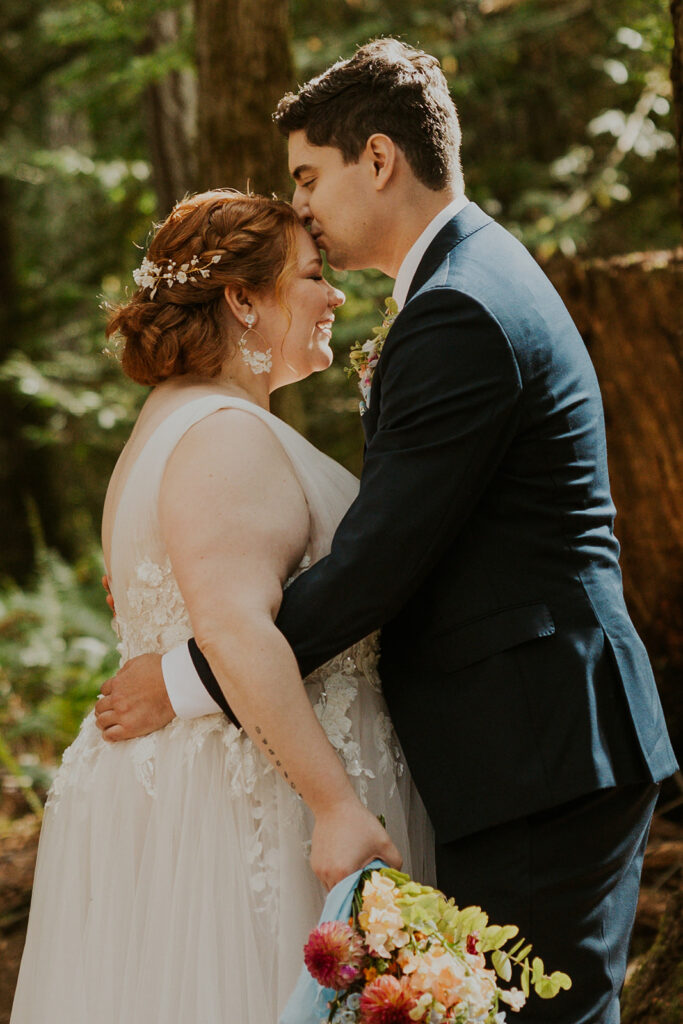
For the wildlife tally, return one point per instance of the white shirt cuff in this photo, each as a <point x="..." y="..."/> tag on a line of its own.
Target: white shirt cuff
<point x="188" y="696"/>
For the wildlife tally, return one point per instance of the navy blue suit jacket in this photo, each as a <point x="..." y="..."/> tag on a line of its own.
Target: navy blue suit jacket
<point x="482" y="543"/>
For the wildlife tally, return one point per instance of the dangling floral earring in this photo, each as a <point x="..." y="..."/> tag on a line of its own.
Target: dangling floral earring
<point x="258" y="362"/>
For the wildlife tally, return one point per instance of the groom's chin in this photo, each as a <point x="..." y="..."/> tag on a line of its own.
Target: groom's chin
<point x="337" y="260"/>
<point x="343" y="259"/>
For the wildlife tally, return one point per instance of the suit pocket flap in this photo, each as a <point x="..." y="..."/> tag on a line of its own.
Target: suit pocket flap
<point x="473" y="641"/>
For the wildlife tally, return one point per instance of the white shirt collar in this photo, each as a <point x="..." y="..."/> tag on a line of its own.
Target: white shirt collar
<point x="412" y="259"/>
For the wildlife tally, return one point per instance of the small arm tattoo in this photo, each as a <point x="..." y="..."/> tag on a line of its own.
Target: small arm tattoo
<point x="278" y="763"/>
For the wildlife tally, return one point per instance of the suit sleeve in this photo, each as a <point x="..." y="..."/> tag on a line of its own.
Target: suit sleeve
<point x="450" y="404"/>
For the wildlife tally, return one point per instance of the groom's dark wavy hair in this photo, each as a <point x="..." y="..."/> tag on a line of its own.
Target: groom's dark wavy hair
<point x="386" y="87"/>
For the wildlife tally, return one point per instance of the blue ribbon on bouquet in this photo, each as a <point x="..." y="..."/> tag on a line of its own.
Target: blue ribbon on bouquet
<point x="308" y="1003"/>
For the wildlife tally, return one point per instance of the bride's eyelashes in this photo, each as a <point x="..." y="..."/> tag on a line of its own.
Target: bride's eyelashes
<point x="266" y="748"/>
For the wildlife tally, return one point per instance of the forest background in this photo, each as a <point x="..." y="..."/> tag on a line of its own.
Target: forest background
<point x="112" y="110"/>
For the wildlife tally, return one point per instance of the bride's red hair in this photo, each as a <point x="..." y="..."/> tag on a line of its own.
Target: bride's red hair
<point x="183" y="328"/>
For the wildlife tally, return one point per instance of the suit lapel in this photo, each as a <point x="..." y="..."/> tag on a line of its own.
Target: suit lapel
<point x="369" y="417"/>
<point x="366" y="427"/>
<point x="465" y="223"/>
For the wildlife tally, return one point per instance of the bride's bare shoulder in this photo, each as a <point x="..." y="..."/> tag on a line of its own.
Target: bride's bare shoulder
<point x="160" y="403"/>
<point x="235" y="442"/>
<point x="229" y="489"/>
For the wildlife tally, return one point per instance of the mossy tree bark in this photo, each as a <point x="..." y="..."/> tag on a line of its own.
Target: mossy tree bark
<point x="628" y="311"/>
<point x="170" y="106"/>
<point x="655" y="993"/>
<point x="244" y="66"/>
<point x="677" y="83"/>
<point x="17" y="481"/>
<point x="24" y="471"/>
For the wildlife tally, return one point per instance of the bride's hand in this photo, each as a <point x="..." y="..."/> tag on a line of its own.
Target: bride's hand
<point x="346" y="837"/>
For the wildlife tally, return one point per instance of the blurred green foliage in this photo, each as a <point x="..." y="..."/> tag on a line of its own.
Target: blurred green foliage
<point x="567" y="139"/>
<point x="56" y="650"/>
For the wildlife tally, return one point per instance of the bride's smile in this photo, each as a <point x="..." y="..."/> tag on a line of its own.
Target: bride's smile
<point x="311" y="301"/>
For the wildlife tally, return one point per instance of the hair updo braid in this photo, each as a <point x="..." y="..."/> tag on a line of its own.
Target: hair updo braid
<point x="178" y="325"/>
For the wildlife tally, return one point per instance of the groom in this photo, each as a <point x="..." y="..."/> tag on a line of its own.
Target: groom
<point x="481" y="542"/>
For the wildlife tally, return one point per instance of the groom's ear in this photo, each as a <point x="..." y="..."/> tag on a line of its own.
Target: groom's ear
<point x="380" y="151"/>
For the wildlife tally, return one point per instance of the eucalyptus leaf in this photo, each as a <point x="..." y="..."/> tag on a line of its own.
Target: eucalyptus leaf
<point x="502" y="964"/>
<point x="537" y="969"/>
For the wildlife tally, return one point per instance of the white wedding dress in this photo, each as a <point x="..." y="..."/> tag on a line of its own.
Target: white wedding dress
<point x="173" y="883"/>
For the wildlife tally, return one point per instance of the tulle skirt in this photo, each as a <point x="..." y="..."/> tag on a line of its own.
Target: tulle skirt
<point x="173" y="884"/>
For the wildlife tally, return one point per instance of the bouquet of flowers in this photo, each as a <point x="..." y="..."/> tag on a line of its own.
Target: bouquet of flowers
<point x="408" y="954"/>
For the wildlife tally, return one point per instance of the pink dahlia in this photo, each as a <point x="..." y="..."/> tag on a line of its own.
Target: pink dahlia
<point x="387" y="1001"/>
<point x="334" y="955"/>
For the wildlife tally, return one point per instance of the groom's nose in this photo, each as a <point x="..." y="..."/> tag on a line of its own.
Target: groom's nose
<point x="301" y="208"/>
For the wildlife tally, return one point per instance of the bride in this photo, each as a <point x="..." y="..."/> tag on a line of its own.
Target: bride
<point x="173" y="881"/>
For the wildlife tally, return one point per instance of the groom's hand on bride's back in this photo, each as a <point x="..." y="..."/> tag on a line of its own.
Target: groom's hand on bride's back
<point x="347" y="837"/>
<point x="109" y="598"/>
<point x="135" y="701"/>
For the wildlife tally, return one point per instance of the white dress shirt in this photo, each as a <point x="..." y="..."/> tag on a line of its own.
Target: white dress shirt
<point x="413" y="258"/>
<point x="188" y="696"/>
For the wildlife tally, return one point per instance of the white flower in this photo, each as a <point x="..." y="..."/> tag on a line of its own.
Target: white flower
<point x="261" y="362"/>
<point x="380" y="917"/>
<point x="435" y="1017"/>
<point x="148" y="274"/>
<point x="514" y="997"/>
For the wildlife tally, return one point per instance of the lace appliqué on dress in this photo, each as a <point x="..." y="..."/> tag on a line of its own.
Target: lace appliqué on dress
<point x="77" y="761"/>
<point x="386" y="744"/>
<point x="156" y="619"/>
<point x="339" y="681"/>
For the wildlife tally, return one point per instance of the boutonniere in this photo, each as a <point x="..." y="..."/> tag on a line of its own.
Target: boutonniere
<point x="364" y="356"/>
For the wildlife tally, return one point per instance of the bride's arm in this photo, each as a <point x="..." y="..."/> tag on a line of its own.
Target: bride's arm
<point x="235" y="523"/>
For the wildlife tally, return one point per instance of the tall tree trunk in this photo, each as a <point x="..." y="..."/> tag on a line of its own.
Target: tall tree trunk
<point x="244" y="67"/>
<point x="24" y="468"/>
<point x="628" y="311"/>
<point x="20" y="470"/>
<point x="171" y="106"/>
<point x="677" y="82"/>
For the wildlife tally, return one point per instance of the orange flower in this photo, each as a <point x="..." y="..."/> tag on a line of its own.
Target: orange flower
<point x="387" y="1001"/>
<point x="437" y="972"/>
